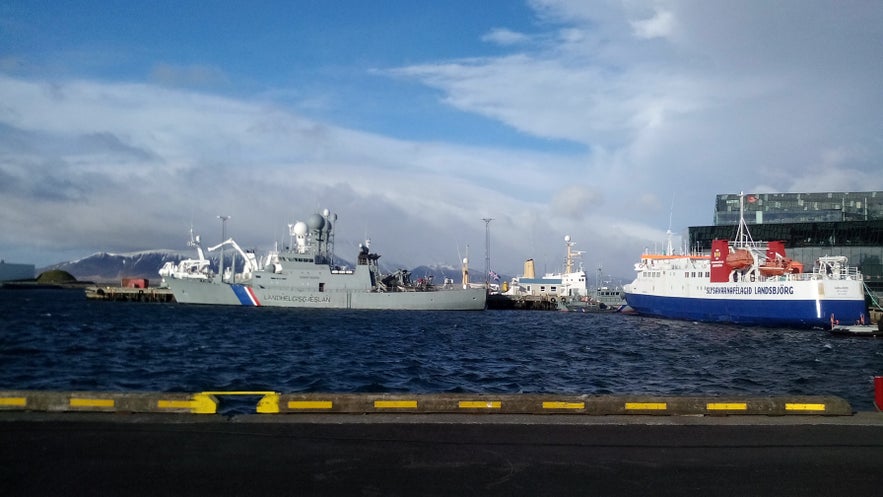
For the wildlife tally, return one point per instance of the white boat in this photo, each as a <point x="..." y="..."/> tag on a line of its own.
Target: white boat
<point x="305" y="275"/>
<point x="747" y="282"/>
<point x="569" y="290"/>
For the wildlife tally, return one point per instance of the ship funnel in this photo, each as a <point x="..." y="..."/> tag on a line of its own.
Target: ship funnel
<point x="528" y="269"/>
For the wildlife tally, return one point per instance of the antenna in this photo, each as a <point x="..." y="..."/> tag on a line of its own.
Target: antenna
<point x="669" y="248"/>
<point x="743" y="235"/>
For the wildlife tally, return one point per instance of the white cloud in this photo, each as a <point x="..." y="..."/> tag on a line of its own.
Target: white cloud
<point x="697" y="98"/>
<point x="126" y="167"/>
<point x="658" y="26"/>
<point x="503" y="36"/>
<point x="670" y="101"/>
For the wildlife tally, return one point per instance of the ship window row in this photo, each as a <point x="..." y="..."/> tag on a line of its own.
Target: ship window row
<point x="296" y="259"/>
<point x="542" y="288"/>
<point x="696" y="274"/>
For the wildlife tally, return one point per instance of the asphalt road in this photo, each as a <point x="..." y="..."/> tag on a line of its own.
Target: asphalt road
<point x="46" y="454"/>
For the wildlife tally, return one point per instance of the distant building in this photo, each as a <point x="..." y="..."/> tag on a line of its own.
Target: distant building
<point x="12" y="272"/>
<point x="810" y="224"/>
<point x="780" y="208"/>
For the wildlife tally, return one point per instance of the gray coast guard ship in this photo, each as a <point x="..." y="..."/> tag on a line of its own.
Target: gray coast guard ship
<point x="305" y="275"/>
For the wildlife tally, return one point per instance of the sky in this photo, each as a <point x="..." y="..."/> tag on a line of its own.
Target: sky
<point x="124" y="124"/>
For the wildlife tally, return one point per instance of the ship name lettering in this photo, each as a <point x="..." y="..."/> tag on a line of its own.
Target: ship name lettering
<point x="775" y="290"/>
<point x="312" y="299"/>
<point x="748" y="290"/>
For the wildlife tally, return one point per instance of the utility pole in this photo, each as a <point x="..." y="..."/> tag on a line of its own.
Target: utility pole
<point x="487" y="252"/>
<point x="223" y="239"/>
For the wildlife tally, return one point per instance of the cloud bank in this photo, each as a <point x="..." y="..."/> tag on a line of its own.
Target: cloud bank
<point x="657" y="106"/>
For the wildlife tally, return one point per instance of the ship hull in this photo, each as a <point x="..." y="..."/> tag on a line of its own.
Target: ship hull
<point x="807" y="304"/>
<point x="214" y="293"/>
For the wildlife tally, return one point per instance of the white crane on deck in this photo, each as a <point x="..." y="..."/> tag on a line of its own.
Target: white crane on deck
<point x="251" y="262"/>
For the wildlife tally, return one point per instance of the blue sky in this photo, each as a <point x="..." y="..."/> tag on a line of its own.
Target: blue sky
<point x="121" y="123"/>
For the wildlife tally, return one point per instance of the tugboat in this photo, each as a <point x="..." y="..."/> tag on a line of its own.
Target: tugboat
<point x="565" y="291"/>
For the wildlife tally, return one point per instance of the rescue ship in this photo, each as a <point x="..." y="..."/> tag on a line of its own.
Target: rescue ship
<point x="748" y="283"/>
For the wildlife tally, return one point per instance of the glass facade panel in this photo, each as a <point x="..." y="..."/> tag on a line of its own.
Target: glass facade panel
<point x="769" y="208"/>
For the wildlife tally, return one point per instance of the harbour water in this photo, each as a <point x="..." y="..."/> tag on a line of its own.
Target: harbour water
<point x="59" y="340"/>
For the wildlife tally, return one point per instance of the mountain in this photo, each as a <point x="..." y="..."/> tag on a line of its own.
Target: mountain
<point x="104" y="267"/>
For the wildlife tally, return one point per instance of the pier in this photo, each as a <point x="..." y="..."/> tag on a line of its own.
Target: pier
<point x="126" y="294"/>
<point x="522" y="302"/>
<point x="94" y="443"/>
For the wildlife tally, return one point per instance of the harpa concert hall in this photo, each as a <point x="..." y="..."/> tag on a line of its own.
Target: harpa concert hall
<point x="810" y="224"/>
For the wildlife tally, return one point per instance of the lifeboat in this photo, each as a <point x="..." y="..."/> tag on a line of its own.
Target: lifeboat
<point x="740" y="259"/>
<point x="772" y="270"/>
<point x="780" y="267"/>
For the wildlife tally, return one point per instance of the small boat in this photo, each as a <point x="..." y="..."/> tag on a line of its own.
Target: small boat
<point x="858" y="330"/>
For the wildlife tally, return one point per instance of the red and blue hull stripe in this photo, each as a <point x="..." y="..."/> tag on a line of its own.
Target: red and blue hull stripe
<point x="246" y="295"/>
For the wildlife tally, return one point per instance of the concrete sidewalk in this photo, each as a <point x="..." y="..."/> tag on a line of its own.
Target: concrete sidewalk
<point x="438" y="454"/>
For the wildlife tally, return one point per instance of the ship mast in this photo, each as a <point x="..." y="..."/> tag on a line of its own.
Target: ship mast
<point x="743" y="236"/>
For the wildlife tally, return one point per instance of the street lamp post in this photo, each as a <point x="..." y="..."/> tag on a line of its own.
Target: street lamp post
<point x="487" y="252"/>
<point x="223" y="239"/>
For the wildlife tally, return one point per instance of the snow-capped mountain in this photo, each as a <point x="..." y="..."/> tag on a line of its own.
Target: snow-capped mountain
<point x="104" y="267"/>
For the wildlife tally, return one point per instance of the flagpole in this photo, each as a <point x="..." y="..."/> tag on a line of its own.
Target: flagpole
<point x="487" y="252"/>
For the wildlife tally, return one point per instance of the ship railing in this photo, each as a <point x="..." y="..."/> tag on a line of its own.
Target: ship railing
<point x="848" y="273"/>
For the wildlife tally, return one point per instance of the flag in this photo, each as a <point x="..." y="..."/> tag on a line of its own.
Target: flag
<point x="494" y="276"/>
<point x="752" y="199"/>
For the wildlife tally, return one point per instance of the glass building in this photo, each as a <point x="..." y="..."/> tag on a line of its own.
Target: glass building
<point x="810" y="224"/>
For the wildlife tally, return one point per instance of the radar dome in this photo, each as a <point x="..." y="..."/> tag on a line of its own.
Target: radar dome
<point x="300" y="228"/>
<point x="316" y="222"/>
<point x="325" y="212"/>
<point x="567" y="238"/>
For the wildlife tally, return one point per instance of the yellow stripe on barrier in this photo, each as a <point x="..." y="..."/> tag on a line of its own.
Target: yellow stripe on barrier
<point x="395" y="404"/>
<point x="805" y="407"/>
<point x="646" y="406"/>
<point x="78" y="402"/>
<point x="200" y="403"/>
<point x="13" y="401"/>
<point x="310" y="404"/>
<point x="174" y="404"/>
<point x="480" y="404"/>
<point x="564" y="405"/>
<point x="727" y="406"/>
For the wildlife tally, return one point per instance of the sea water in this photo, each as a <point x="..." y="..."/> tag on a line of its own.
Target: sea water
<point x="59" y="340"/>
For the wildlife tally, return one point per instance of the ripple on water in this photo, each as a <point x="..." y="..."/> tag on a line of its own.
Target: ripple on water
<point x="67" y="342"/>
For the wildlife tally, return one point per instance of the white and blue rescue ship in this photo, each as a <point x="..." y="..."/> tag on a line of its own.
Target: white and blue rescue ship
<point x="749" y="283"/>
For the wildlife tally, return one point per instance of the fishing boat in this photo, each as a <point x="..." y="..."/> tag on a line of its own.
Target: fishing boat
<point x="750" y="283"/>
<point x="307" y="275"/>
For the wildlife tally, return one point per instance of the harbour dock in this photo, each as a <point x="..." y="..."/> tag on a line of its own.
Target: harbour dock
<point x="93" y="443"/>
<point x="127" y="294"/>
<point x="522" y="302"/>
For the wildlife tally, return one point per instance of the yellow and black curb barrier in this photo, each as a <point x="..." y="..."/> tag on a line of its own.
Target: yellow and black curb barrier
<point x="269" y="402"/>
